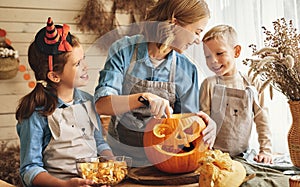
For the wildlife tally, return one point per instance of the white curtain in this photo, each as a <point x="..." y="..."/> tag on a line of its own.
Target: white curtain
<point x="248" y="17"/>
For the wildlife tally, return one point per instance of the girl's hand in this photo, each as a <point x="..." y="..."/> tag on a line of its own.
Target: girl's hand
<point x="45" y="179"/>
<point x="79" y="182"/>
<point x="263" y="158"/>
<point x="209" y="133"/>
<point x="159" y="106"/>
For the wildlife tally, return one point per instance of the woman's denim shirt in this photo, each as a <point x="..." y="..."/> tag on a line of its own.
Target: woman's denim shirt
<point x="118" y="60"/>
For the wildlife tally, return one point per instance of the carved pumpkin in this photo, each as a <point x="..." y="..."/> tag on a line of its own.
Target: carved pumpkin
<point x="173" y="145"/>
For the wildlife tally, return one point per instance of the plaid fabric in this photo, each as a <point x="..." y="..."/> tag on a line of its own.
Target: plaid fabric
<point x="264" y="177"/>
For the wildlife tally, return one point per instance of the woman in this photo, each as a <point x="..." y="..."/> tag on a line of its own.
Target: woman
<point x="149" y="68"/>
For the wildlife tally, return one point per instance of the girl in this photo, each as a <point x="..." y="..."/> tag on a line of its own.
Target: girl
<point x="57" y="122"/>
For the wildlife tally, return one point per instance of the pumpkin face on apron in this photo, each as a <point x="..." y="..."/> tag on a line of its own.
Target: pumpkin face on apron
<point x="231" y="109"/>
<point x="72" y="131"/>
<point x="126" y="131"/>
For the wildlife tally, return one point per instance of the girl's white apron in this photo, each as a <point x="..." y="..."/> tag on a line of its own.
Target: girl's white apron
<point x="72" y="131"/>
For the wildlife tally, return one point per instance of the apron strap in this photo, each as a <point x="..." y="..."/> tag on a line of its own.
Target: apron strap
<point x="221" y="88"/>
<point x="253" y="93"/>
<point x="173" y="67"/>
<point x="91" y="113"/>
<point x="245" y="79"/>
<point x="133" y="60"/>
<point x="221" y="110"/>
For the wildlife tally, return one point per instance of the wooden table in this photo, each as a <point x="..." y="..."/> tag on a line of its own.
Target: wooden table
<point x="127" y="183"/>
<point x="5" y="184"/>
<point x="152" y="177"/>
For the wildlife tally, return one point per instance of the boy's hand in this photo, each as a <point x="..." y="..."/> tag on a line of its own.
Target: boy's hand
<point x="209" y="133"/>
<point x="263" y="158"/>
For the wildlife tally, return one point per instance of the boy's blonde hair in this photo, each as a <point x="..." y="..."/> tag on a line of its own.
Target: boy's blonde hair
<point x="224" y="32"/>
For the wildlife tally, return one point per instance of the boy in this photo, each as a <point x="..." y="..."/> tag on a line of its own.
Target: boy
<point x="230" y="99"/>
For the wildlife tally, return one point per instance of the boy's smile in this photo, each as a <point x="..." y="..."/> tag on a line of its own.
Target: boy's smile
<point x="220" y="57"/>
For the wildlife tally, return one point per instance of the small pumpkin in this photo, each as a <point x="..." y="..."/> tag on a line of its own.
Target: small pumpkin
<point x="174" y="145"/>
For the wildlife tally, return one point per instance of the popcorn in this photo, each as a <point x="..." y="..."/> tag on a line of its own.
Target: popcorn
<point x="110" y="172"/>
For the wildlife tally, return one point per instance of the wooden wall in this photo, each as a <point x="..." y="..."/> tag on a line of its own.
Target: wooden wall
<point x="21" y="20"/>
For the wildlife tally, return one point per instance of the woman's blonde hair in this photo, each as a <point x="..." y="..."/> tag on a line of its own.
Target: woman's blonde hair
<point x="185" y="11"/>
<point x="165" y="11"/>
<point x="225" y="32"/>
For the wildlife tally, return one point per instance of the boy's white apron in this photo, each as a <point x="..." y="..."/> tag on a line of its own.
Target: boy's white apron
<point x="72" y="131"/>
<point x="125" y="135"/>
<point x="232" y="111"/>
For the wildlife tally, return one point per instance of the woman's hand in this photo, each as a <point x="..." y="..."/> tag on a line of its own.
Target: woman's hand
<point x="209" y="133"/>
<point x="159" y="106"/>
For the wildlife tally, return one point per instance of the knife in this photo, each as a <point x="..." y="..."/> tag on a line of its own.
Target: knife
<point x="144" y="101"/>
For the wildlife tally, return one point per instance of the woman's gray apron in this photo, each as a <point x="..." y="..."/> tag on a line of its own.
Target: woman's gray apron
<point x="232" y="111"/>
<point x="125" y="133"/>
<point x="72" y="131"/>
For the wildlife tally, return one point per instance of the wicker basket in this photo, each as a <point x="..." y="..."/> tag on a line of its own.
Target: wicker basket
<point x="294" y="133"/>
<point x="294" y="181"/>
<point x="8" y="68"/>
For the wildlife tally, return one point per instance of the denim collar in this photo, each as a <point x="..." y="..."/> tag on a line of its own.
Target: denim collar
<point x="77" y="99"/>
<point x="143" y="56"/>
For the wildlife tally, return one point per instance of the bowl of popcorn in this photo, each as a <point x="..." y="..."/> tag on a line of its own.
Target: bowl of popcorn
<point x="104" y="170"/>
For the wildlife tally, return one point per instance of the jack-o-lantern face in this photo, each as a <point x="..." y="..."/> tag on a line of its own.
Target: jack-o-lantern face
<point x="174" y="144"/>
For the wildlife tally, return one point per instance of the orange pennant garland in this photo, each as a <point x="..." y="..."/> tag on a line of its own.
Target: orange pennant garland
<point x="26" y="76"/>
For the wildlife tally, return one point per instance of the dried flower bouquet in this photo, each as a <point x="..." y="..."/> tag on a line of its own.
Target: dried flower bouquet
<point x="278" y="62"/>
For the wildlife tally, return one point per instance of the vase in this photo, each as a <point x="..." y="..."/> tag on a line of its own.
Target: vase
<point x="294" y="133"/>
